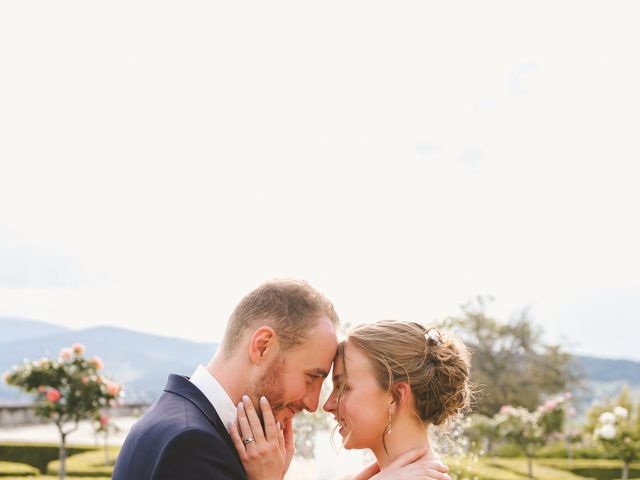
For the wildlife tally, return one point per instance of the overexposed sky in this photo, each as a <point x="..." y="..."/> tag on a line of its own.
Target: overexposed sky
<point x="159" y="159"/>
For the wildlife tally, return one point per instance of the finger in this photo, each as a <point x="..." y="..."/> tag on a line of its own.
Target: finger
<point x="288" y="435"/>
<point x="435" y="475"/>
<point x="438" y="466"/>
<point x="281" y="443"/>
<point x="245" y="428"/>
<point x="237" y="441"/>
<point x="408" y="457"/>
<point x="254" y="420"/>
<point x="270" y="428"/>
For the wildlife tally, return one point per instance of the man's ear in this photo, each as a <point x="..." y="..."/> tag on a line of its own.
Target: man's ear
<point x="263" y="345"/>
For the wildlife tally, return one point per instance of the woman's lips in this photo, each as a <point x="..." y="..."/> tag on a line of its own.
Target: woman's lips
<point x="341" y="424"/>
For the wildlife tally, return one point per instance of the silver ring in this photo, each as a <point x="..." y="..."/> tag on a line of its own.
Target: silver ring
<point x="248" y="440"/>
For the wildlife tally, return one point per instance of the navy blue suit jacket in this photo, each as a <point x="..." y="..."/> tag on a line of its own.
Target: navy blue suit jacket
<point x="180" y="437"/>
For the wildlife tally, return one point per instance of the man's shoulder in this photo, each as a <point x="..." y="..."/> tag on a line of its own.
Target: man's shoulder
<point x="173" y="413"/>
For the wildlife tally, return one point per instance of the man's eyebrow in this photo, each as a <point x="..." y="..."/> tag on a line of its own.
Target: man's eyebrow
<point x="318" y="372"/>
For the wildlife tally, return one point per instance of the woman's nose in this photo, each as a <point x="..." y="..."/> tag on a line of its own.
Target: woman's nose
<point x="330" y="404"/>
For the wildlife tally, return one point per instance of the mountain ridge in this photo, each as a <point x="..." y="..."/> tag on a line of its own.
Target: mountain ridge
<point x="142" y="361"/>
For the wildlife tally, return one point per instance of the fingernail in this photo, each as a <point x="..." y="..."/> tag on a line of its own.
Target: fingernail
<point x="245" y="398"/>
<point x="279" y="424"/>
<point x="263" y="400"/>
<point x="240" y="405"/>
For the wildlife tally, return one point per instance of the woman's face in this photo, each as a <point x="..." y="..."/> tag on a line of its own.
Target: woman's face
<point x="362" y="409"/>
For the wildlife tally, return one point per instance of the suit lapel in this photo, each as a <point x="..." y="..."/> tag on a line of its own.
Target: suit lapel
<point x="181" y="386"/>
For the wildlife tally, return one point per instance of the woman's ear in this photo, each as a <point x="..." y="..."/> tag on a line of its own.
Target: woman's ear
<point x="263" y="345"/>
<point x="401" y="394"/>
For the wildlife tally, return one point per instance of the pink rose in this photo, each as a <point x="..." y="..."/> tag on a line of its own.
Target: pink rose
<point x="66" y="353"/>
<point x="84" y="380"/>
<point x="113" y="389"/>
<point x="104" y="420"/>
<point x="42" y="389"/>
<point x="5" y="377"/>
<point x="53" y="395"/>
<point x="97" y="362"/>
<point x="78" y="348"/>
<point x="505" y="409"/>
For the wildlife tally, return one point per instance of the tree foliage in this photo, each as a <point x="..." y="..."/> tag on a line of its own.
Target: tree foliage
<point x="511" y="365"/>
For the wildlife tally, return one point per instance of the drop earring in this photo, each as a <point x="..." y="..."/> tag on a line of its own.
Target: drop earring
<point x="387" y="430"/>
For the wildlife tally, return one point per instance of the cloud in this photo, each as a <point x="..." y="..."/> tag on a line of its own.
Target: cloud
<point x="472" y="159"/>
<point x="519" y="77"/>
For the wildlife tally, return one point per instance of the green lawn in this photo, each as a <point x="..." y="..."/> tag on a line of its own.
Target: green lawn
<point x="13" y="469"/>
<point x="87" y="464"/>
<point x="543" y="469"/>
<point x="90" y="465"/>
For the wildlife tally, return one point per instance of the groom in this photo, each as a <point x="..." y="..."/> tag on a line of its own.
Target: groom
<point x="279" y="343"/>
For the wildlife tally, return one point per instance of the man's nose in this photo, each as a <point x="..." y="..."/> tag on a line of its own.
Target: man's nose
<point x="312" y="398"/>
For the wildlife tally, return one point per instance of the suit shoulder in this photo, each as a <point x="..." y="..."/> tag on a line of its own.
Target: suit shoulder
<point x="196" y="452"/>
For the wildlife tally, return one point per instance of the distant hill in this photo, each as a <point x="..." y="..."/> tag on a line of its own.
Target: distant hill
<point x="142" y="361"/>
<point x="604" y="379"/>
<point x="610" y="370"/>
<point x="13" y="328"/>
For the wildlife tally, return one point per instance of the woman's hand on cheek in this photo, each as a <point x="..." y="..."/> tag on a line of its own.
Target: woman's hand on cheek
<point x="264" y="454"/>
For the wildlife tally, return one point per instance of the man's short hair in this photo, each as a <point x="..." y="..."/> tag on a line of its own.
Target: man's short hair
<point x="290" y="307"/>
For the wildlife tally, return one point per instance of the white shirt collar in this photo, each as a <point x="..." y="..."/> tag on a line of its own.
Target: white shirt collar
<point x="214" y="392"/>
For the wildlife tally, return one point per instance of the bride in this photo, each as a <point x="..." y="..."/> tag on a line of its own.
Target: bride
<point x="392" y="380"/>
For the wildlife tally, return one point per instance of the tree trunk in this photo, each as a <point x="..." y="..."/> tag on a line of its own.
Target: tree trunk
<point x="106" y="448"/>
<point x="530" y="466"/>
<point x="625" y="471"/>
<point x="62" y="455"/>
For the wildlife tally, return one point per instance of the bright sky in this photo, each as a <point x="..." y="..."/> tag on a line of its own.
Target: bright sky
<point x="158" y="160"/>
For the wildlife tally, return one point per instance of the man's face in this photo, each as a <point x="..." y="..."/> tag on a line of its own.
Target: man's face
<point x="292" y="382"/>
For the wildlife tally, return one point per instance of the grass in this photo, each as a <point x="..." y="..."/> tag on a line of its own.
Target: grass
<point x="49" y="477"/>
<point x="13" y="469"/>
<point x="87" y="464"/>
<point x="543" y="469"/>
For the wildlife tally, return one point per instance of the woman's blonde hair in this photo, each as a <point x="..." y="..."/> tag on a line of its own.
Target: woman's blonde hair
<point x="436" y="365"/>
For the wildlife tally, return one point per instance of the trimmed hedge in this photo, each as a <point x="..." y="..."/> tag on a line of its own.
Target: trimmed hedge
<point x="87" y="464"/>
<point x="559" y="450"/>
<point x="12" y="469"/>
<point x="37" y="455"/>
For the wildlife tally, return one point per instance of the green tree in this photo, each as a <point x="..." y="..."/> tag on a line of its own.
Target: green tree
<point x="511" y="364"/>
<point x="67" y="389"/>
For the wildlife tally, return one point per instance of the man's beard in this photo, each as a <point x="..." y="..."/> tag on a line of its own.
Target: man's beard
<point x="271" y="386"/>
